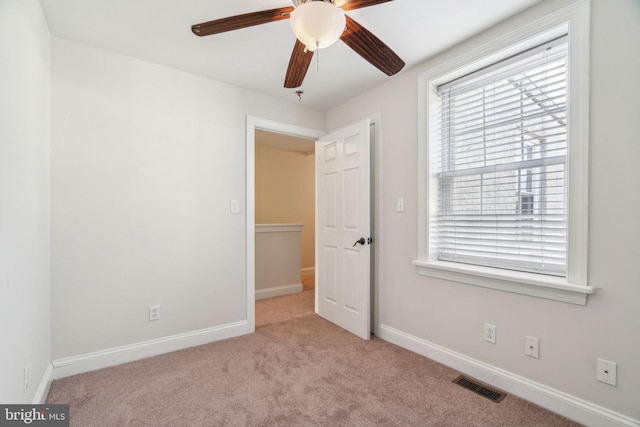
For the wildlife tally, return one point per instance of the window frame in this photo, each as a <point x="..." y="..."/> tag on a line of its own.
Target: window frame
<point x="574" y="21"/>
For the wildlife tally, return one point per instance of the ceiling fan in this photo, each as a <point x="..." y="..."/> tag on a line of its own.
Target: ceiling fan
<point x="316" y="24"/>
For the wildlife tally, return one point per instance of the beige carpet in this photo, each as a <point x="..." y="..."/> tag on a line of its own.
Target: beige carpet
<point x="288" y="307"/>
<point x="303" y="371"/>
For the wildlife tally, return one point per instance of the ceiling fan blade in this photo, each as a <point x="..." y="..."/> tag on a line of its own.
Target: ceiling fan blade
<point x="357" y="4"/>
<point x="371" y="48"/>
<point x="241" y="21"/>
<point x="298" y="65"/>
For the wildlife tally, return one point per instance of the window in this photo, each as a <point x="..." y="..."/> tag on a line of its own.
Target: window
<point x="500" y="160"/>
<point x="503" y="163"/>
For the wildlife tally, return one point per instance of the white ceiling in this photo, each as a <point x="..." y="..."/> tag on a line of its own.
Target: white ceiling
<point x="256" y="58"/>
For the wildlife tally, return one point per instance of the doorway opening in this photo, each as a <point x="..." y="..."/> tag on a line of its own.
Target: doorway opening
<point x="284" y="226"/>
<point x="253" y="124"/>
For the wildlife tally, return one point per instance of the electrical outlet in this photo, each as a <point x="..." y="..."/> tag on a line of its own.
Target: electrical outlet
<point x="154" y="312"/>
<point x="607" y="371"/>
<point x="26" y="377"/>
<point x="532" y="347"/>
<point x="490" y="333"/>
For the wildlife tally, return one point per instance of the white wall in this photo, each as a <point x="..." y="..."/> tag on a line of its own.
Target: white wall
<point x="24" y="198"/>
<point x="451" y="315"/>
<point x="145" y="161"/>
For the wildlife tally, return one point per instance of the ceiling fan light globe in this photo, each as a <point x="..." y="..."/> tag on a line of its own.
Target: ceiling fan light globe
<point x="317" y="24"/>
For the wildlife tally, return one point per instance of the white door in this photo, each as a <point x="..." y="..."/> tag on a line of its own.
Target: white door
<point x="342" y="220"/>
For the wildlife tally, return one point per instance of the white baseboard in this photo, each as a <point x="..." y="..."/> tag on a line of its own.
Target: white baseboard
<point x="115" y="356"/>
<point x="556" y="401"/>
<point x="278" y="291"/>
<point x="308" y="270"/>
<point x="40" y="397"/>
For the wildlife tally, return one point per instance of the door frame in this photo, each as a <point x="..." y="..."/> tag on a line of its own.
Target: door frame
<point x="256" y="123"/>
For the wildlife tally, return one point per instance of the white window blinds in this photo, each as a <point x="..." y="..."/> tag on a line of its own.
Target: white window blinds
<point x="501" y="164"/>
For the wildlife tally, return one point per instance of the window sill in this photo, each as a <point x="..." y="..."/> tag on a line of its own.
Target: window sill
<point x="553" y="288"/>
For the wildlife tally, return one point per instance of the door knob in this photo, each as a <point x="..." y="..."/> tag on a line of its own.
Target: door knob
<point x="361" y="240"/>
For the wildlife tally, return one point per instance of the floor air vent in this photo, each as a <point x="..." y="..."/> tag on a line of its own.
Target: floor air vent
<point x="481" y="389"/>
